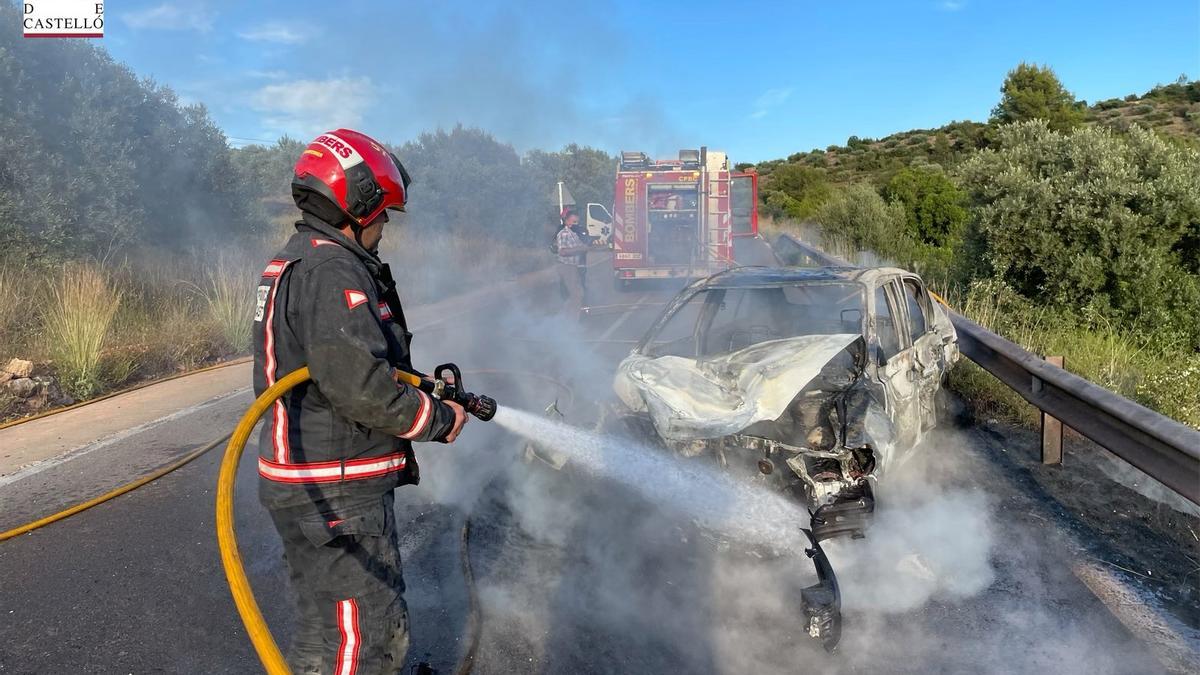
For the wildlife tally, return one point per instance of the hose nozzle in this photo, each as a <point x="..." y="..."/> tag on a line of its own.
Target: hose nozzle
<point x="483" y="407"/>
<point x="450" y="389"/>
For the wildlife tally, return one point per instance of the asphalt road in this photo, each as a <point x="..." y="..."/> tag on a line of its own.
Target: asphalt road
<point x="573" y="574"/>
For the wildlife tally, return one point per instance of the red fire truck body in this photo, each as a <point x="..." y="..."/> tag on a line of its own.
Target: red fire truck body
<point x="678" y="218"/>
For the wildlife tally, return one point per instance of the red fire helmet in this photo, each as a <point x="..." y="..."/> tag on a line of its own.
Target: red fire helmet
<point x="354" y="172"/>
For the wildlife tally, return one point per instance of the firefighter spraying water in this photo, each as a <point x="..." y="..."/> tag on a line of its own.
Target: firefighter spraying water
<point x="339" y="436"/>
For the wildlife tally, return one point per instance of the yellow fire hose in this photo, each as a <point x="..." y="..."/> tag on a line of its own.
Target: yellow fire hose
<point x="231" y="560"/>
<point x="29" y="527"/>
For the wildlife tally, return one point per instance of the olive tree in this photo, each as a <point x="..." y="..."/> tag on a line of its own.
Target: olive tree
<point x="1095" y="221"/>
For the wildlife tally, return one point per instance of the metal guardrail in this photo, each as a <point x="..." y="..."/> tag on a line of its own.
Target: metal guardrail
<point x="1166" y="450"/>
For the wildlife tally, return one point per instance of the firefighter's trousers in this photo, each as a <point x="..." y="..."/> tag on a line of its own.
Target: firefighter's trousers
<point x="344" y="561"/>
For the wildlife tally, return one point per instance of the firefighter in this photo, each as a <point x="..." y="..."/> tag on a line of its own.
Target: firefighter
<point x="572" y="263"/>
<point x="333" y="450"/>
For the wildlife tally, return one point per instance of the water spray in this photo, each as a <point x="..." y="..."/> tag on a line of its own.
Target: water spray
<point x="715" y="500"/>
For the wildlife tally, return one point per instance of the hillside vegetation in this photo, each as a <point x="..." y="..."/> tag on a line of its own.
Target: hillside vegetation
<point x="1071" y="228"/>
<point x="1171" y="110"/>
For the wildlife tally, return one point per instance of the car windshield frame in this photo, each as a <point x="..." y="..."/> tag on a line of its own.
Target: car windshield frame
<point x="688" y="296"/>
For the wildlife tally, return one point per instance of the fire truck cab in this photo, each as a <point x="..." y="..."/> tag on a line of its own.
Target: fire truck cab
<point x="677" y="218"/>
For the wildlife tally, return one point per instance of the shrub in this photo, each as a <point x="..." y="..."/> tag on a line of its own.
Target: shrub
<point x="1093" y="220"/>
<point x="857" y="217"/>
<point x="796" y="191"/>
<point x="430" y="266"/>
<point x="934" y="206"/>
<point x="856" y="143"/>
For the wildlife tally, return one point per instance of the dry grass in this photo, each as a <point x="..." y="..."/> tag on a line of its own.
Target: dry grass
<point x="182" y="311"/>
<point x="98" y="326"/>
<point x="22" y="293"/>
<point x="10" y="301"/>
<point x="77" y="324"/>
<point x="228" y="294"/>
<point x="1092" y="348"/>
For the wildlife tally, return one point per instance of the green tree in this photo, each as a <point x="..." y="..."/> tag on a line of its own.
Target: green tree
<point x="1093" y="220"/>
<point x="934" y="206"/>
<point x="587" y="172"/>
<point x="96" y="159"/>
<point x="1035" y="92"/>
<point x="268" y="168"/>
<point x="795" y="191"/>
<point x="466" y="182"/>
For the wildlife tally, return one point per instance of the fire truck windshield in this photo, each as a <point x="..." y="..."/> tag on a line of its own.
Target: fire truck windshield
<point x="671" y="197"/>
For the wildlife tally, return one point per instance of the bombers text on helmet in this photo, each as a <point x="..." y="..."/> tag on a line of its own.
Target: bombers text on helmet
<point x="352" y="171"/>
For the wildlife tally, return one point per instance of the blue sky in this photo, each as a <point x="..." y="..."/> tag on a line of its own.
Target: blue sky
<point x="758" y="79"/>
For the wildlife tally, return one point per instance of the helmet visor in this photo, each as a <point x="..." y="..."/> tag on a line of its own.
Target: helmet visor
<point x="405" y="179"/>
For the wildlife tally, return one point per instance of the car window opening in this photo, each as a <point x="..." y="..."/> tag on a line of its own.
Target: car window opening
<point x="719" y="321"/>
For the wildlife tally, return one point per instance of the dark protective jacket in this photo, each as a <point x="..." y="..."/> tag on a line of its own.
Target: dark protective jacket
<point x="325" y="302"/>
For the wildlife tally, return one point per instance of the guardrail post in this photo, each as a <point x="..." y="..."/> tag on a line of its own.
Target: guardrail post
<point x="1052" y="428"/>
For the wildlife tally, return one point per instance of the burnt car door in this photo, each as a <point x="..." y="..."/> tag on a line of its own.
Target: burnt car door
<point x="893" y="355"/>
<point x="929" y="359"/>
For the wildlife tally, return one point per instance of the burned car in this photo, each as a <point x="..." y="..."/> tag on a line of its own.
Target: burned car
<point x="816" y="380"/>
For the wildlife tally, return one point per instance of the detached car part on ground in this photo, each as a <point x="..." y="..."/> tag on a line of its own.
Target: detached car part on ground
<point x="814" y="381"/>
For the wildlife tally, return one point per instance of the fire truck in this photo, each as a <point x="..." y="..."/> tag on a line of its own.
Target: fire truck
<point x="678" y="218"/>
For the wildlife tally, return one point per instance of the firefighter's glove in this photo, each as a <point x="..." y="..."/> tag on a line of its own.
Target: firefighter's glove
<point x="460" y="420"/>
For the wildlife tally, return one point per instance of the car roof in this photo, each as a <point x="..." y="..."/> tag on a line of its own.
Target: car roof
<point x="787" y="276"/>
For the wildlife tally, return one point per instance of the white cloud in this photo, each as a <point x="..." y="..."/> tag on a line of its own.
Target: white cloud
<point x="275" y="32"/>
<point x="770" y="99"/>
<point x="171" y="16"/>
<point x="307" y="107"/>
<point x="953" y="5"/>
<point x="266" y="74"/>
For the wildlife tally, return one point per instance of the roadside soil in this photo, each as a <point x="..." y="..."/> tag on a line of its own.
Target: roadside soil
<point x="1125" y="520"/>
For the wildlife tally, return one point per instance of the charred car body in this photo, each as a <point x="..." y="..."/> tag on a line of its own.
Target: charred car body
<point x="817" y="381"/>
